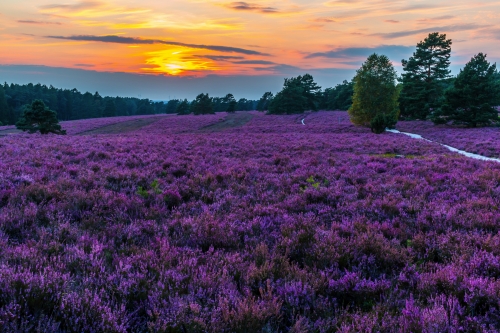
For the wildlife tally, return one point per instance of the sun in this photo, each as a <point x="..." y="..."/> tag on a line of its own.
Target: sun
<point x="179" y="62"/>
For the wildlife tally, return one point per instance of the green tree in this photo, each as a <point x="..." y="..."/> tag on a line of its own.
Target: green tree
<point x="202" y="105"/>
<point x="375" y="92"/>
<point x="109" y="109"/>
<point x="37" y="117"/>
<point x="472" y="98"/>
<point x="264" y="101"/>
<point x="171" y="106"/>
<point x="424" y="75"/>
<point x="298" y="95"/>
<point x="231" y="103"/>
<point x="339" y="97"/>
<point x="183" y="108"/>
<point x="4" y="107"/>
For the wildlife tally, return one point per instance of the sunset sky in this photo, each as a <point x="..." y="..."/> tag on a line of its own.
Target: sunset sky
<point x="162" y="48"/>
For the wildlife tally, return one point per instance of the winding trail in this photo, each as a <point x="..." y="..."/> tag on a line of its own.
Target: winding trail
<point x="303" y="121"/>
<point x="455" y="150"/>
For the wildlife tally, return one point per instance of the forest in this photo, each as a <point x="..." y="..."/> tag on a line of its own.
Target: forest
<point x="71" y="104"/>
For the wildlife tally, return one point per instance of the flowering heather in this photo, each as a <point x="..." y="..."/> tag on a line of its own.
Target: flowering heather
<point x="482" y="141"/>
<point x="270" y="227"/>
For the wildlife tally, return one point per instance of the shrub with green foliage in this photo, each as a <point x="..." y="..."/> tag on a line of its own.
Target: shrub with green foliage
<point x="472" y="98"/>
<point x="381" y="122"/>
<point x="375" y="92"/>
<point x="39" y="118"/>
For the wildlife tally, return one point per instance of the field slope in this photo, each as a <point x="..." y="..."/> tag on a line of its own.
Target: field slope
<point x="263" y="226"/>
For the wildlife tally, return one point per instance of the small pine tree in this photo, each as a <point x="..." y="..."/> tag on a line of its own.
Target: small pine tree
<point x="37" y="117"/>
<point x="172" y="106"/>
<point x="472" y="98"/>
<point x="231" y="103"/>
<point x="375" y="92"/>
<point x="424" y="75"/>
<point x="264" y="101"/>
<point x="183" y="108"/>
<point x="202" y="105"/>
<point x="298" y="95"/>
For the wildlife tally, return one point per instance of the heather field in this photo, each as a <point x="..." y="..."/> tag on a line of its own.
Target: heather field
<point x="248" y="223"/>
<point x="483" y="141"/>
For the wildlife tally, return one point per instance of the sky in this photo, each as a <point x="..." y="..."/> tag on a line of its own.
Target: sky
<point x="162" y="49"/>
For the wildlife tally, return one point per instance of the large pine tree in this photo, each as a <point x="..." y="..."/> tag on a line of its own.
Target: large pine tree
<point x="299" y="94"/>
<point x="422" y="78"/>
<point x="375" y="93"/>
<point x="472" y="98"/>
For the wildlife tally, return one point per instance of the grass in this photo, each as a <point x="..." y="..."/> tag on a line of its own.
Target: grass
<point x="123" y="127"/>
<point x="230" y="121"/>
<point x="10" y="131"/>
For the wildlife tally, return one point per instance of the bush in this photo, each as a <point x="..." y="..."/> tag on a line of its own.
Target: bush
<point x="381" y="122"/>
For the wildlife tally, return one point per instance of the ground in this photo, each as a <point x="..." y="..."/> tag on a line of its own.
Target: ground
<point x="245" y="223"/>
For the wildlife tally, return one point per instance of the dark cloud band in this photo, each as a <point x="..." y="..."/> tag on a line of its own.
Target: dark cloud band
<point x="140" y="41"/>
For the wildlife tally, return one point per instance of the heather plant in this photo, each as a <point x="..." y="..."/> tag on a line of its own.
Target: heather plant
<point x="375" y="92"/>
<point x="270" y="227"/>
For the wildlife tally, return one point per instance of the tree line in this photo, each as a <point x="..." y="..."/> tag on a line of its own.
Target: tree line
<point x="70" y="104"/>
<point x="377" y="98"/>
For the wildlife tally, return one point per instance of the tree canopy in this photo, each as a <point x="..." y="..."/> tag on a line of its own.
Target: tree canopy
<point x="299" y="94"/>
<point x="264" y="101"/>
<point x="39" y="118"/>
<point x="183" y="107"/>
<point x="230" y="103"/>
<point x="202" y="105"/>
<point x="338" y="97"/>
<point x="423" y="77"/>
<point x="375" y="92"/>
<point x="472" y="98"/>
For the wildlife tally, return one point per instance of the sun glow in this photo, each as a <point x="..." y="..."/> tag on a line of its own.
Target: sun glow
<point x="178" y="62"/>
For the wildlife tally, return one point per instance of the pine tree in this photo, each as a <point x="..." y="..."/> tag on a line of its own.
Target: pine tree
<point x="37" y="117"/>
<point x="375" y="92"/>
<point x="4" y="107"/>
<point x="264" y="101"/>
<point x="472" y="98"/>
<point x="298" y="95"/>
<point x="172" y="106"/>
<point x="230" y="103"/>
<point x="109" y="109"/>
<point x="202" y="105"/>
<point x="423" y="78"/>
<point x="183" y="108"/>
